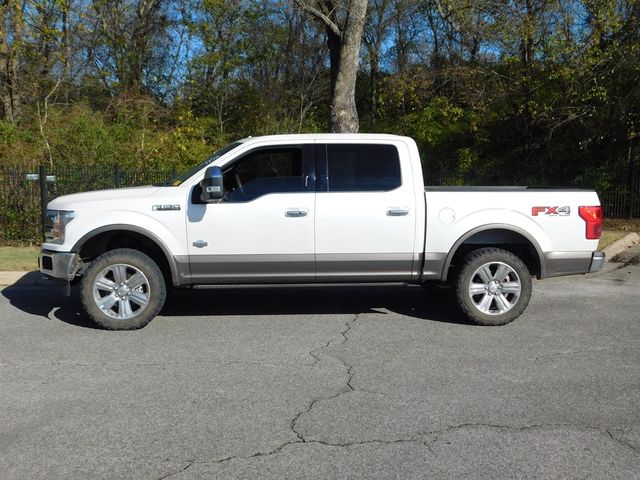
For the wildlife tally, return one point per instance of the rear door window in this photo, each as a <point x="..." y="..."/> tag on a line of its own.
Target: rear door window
<point x="362" y="168"/>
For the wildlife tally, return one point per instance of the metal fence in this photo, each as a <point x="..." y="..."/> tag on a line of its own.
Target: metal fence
<point x="619" y="196"/>
<point x="621" y="199"/>
<point x="24" y="192"/>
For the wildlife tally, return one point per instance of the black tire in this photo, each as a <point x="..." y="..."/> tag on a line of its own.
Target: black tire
<point x="497" y="303"/>
<point x="128" y="263"/>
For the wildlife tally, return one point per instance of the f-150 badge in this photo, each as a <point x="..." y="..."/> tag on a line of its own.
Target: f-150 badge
<point x="551" y="211"/>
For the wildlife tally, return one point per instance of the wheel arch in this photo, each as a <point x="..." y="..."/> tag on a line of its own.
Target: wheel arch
<point x="109" y="237"/>
<point x="508" y="237"/>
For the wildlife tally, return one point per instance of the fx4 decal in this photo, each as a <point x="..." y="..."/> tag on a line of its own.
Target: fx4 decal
<point x="551" y="211"/>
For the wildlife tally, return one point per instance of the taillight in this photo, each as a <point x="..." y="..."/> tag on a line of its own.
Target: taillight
<point x="593" y="217"/>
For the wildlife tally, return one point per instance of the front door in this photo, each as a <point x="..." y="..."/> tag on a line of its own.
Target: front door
<point x="262" y="231"/>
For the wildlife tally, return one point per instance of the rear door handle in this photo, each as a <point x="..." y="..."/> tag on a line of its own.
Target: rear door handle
<point x="297" y="212"/>
<point x="397" y="212"/>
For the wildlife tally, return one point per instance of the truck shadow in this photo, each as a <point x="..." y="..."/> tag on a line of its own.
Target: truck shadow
<point x="36" y="296"/>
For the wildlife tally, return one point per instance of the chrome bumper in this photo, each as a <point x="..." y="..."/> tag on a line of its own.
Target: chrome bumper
<point x="597" y="262"/>
<point x="61" y="265"/>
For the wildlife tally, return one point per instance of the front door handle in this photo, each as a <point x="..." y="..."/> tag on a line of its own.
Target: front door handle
<point x="298" y="212"/>
<point x="397" y="212"/>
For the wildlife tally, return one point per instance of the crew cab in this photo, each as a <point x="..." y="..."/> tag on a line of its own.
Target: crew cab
<point x="316" y="209"/>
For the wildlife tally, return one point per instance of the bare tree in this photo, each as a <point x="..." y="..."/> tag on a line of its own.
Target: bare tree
<point x="128" y="32"/>
<point x="375" y="34"/>
<point x="344" y="23"/>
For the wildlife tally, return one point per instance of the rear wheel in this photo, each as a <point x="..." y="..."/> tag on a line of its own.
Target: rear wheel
<point x="123" y="289"/>
<point x="494" y="286"/>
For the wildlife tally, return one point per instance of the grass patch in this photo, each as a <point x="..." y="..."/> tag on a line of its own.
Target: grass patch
<point x="19" y="258"/>
<point x="610" y="236"/>
<point x="615" y="228"/>
<point x="622" y="224"/>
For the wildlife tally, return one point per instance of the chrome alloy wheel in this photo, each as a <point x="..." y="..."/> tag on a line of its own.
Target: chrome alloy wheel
<point x="494" y="288"/>
<point x="121" y="291"/>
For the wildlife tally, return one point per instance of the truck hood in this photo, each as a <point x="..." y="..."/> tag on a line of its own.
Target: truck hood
<point x="69" y="202"/>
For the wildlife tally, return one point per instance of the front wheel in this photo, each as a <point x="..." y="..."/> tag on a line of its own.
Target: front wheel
<point x="494" y="286"/>
<point x="123" y="289"/>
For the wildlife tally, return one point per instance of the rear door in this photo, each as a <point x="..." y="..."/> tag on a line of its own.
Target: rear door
<point x="365" y="212"/>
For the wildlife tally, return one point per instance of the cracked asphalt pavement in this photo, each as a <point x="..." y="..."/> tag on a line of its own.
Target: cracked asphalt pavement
<point x="354" y="382"/>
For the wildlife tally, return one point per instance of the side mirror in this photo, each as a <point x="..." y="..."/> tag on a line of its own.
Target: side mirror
<point x="212" y="186"/>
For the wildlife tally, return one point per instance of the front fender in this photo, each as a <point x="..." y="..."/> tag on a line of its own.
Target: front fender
<point x="169" y="233"/>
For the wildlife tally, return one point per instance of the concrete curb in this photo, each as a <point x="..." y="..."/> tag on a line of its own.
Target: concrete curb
<point x="621" y="245"/>
<point x="27" y="279"/>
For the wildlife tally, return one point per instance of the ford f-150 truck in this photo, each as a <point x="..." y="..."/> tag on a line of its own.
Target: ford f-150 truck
<point x="316" y="209"/>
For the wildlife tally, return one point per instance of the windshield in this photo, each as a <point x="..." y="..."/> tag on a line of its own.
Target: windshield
<point x="175" y="181"/>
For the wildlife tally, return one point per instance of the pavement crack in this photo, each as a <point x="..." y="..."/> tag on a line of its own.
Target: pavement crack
<point x="460" y="426"/>
<point x="437" y="433"/>
<point x="171" y="474"/>
<point x="339" y="340"/>
<point x="254" y="455"/>
<point x="374" y="441"/>
<point x="316" y="442"/>
<point x="417" y="439"/>
<point x="622" y="442"/>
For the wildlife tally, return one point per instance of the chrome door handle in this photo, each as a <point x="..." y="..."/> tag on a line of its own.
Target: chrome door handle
<point x="397" y="212"/>
<point x="295" y="213"/>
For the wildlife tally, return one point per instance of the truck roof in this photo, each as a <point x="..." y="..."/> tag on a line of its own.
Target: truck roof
<point x="327" y="136"/>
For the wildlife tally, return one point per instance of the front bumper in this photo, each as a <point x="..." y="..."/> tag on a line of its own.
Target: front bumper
<point x="63" y="265"/>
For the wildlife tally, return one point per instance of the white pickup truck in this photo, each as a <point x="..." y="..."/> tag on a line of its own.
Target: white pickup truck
<point x="316" y="209"/>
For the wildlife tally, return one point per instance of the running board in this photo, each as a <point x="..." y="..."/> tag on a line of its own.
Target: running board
<point x="301" y="285"/>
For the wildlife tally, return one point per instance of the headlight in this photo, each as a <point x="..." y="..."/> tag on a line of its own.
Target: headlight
<point x="55" y="223"/>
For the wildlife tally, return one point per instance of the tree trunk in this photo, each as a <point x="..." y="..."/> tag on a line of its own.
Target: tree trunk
<point x="401" y="43"/>
<point x="343" y="115"/>
<point x="11" y="36"/>
<point x="374" y="89"/>
<point x="334" y="44"/>
<point x="527" y="61"/>
<point x="343" y="42"/>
